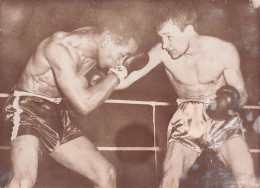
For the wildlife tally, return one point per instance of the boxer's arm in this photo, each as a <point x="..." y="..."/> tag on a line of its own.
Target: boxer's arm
<point x="83" y="99"/>
<point x="154" y="60"/>
<point x="233" y="75"/>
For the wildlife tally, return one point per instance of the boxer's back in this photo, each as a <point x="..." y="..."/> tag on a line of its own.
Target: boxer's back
<point x="38" y="77"/>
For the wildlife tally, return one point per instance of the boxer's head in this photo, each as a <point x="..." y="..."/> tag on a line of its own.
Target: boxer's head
<point x="176" y="26"/>
<point x="119" y="38"/>
<point x="179" y="13"/>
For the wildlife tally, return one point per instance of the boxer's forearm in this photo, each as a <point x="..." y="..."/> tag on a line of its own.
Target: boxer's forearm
<point x="97" y="94"/>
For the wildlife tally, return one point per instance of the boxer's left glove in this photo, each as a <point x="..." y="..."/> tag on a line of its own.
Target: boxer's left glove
<point x="130" y="64"/>
<point x="225" y="105"/>
<point x="95" y="76"/>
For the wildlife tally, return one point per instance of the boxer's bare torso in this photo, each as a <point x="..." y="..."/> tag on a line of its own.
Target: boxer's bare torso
<point x="200" y="71"/>
<point x="201" y="75"/>
<point x="38" y="76"/>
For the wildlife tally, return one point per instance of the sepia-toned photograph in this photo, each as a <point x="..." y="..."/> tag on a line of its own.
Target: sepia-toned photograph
<point x="130" y="94"/>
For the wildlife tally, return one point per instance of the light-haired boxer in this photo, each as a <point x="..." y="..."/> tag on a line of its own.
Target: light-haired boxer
<point x="58" y="69"/>
<point x="198" y="67"/>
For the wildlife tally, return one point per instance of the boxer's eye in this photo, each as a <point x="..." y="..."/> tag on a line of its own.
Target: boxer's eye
<point x="169" y="37"/>
<point x="123" y="56"/>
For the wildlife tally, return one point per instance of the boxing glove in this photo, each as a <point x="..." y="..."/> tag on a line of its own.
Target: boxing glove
<point x="95" y="76"/>
<point x="130" y="64"/>
<point x="225" y="104"/>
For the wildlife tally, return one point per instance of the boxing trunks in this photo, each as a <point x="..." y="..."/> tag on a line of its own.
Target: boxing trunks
<point x="192" y="127"/>
<point x="40" y="116"/>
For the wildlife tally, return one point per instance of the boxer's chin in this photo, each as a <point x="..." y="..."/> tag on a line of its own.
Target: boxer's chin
<point x="174" y="54"/>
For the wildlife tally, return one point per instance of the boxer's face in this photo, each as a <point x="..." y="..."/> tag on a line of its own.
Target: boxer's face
<point x="113" y="54"/>
<point x="174" y="41"/>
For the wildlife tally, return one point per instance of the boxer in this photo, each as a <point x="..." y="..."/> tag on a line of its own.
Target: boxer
<point x="57" y="70"/>
<point x="199" y="67"/>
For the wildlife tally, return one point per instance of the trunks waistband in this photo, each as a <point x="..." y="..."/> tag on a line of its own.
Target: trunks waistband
<point x="205" y="100"/>
<point x="24" y="93"/>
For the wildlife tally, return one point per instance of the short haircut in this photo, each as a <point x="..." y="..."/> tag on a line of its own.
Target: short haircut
<point x="121" y="25"/>
<point x="181" y="13"/>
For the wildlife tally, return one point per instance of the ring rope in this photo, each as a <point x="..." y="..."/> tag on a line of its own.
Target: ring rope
<point x="130" y="149"/>
<point x="3" y="95"/>
<point x="108" y="148"/>
<point x="152" y="103"/>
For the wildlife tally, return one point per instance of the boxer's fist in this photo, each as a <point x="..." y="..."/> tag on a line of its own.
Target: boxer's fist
<point x="95" y="76"/>
<point x="225" y="105"/>
<point x="136" y="62"/>
<point x="130" y="64"/>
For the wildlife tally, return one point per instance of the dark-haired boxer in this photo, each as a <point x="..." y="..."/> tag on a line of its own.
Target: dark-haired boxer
<point x="198" y="67"/>
<point x="59" y="69"/>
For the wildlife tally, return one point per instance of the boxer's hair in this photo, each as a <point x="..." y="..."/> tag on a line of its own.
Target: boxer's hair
<point x="121" y="25"/>
<point x="181" y="14"/>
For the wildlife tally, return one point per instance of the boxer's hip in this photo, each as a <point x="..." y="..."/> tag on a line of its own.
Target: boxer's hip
<point x="40" y="116"/>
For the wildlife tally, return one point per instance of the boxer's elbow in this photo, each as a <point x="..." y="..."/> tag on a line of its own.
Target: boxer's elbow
<point x="85" y="108"/>
<point x="83" y="111"/>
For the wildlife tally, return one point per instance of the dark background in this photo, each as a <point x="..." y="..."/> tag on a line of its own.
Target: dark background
<point x="23" y="24"/>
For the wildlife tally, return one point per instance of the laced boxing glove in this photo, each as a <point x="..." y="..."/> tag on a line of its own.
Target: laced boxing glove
<point x="225" y="105"/>
<point x="131" y="64"/>
<point x="95" y="76"/>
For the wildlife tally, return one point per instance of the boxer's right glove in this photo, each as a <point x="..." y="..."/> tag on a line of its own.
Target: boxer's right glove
<point x="131" y="64"/>
<point x="225" y="105"/>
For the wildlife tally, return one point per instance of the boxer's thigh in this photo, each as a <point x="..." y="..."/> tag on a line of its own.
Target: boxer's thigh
<point x="24" y="157"/>
<point x="178" y="160"/>
<point x="235" y="155"/>
<point x="81" y="156"/>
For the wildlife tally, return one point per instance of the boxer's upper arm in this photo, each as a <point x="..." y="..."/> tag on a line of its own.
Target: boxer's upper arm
<point x="232" y="72"/>
<point x="64" y="66"/>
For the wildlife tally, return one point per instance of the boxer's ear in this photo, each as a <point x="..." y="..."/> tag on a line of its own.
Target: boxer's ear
<point x="189" y="30"/>
<point x="106" y="38"/>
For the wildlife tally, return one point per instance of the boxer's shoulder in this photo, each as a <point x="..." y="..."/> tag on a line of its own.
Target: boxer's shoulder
<point x="208" y="43"/>
<point x="59" y="35"/>
<point x="158" y="53"/>
<point x="219" y="50"/>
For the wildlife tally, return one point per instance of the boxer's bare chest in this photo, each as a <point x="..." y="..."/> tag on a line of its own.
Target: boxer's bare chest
<point x="201" y="69"/>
